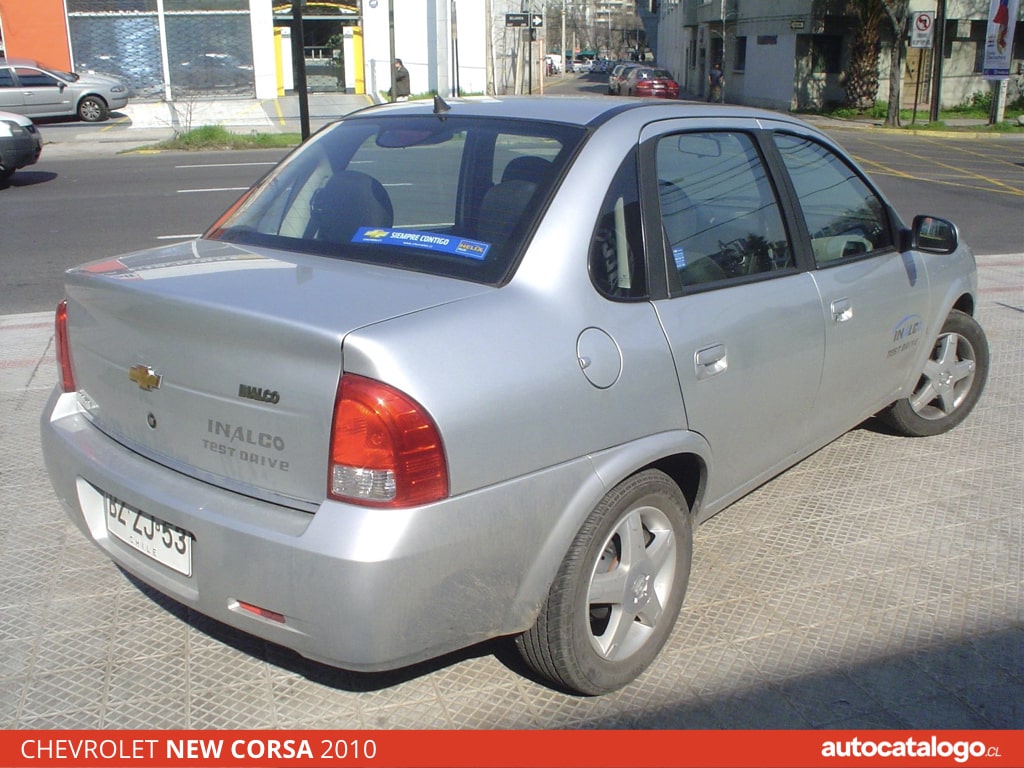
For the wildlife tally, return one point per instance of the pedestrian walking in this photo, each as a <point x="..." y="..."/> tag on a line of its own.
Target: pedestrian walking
<point x="400" y="89"/>
<point x="716" y="83"/>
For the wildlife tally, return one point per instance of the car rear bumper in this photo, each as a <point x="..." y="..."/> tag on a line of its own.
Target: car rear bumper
<point x="363" y="589"/>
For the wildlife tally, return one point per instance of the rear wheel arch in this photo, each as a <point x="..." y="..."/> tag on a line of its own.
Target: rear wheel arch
<point x="618" y="591"/>
<point x="689" y="472"/>
<point x="681" y="455"/>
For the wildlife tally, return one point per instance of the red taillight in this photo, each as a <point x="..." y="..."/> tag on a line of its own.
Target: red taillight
<point x="67" y="374"/>
<point x="385" y="448"/>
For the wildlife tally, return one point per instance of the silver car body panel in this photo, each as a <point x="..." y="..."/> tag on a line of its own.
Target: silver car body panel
<point x="62" y="98"/>
<point x="546" y="394"/>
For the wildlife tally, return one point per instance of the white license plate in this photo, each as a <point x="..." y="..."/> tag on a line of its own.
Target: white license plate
<point x="167" y="544"/>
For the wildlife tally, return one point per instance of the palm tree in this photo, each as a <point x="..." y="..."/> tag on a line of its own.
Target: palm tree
<point x="865" y="53"/>
<point x="869" y="17"/>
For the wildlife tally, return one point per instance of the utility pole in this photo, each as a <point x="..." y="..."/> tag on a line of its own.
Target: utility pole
<point x="488" y="49"/>
<point x="721" y="64"/>
<point x="455" y="53"/>
<point x="391" y="43"/>
<point x="939" y="40"/>
<point x="299" y="67"/>
<point x="565" y="60"/>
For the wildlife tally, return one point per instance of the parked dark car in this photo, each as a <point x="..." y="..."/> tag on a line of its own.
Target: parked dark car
<point x="20" y="144"/>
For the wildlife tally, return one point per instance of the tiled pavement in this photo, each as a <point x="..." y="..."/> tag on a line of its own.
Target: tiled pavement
<point x="879" y="584"/>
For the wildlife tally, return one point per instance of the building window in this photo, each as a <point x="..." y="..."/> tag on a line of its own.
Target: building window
<point x="825" y="52"/>
<point x="741" y="54"/>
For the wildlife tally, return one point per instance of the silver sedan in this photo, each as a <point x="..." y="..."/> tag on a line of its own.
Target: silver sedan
<point x="35" y="91"/>
<point x="459" y="371"/>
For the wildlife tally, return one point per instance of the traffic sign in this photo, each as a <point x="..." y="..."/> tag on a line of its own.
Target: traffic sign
<point x="921" y="29"/>
<point x="517" y="19"/>
<point x="536" y="20"/>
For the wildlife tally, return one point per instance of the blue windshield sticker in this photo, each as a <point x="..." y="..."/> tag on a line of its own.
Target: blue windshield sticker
<point x="456" y="246"/>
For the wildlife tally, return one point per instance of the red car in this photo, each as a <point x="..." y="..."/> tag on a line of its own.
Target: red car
<point x="650" y="81"/>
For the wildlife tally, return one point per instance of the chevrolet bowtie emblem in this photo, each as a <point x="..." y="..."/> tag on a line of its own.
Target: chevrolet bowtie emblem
<point x="145" y="377"/>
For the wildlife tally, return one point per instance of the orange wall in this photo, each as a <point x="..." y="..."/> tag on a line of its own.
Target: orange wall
<point x="36" y="29"/>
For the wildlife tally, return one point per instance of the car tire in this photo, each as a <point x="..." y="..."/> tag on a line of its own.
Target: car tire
<point x="950" y="384"/>
<point x="93" y="109"/>
<point x="618" y="591"/>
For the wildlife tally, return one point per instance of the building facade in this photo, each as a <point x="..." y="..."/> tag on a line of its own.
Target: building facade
<point x="780" y="54"/>
<point x="243" y="48"/>
<point x="791" y="54"/>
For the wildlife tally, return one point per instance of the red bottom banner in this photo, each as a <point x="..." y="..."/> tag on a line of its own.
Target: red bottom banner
<point x="510" y="749"/>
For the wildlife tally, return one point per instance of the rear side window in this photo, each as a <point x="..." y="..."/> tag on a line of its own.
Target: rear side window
<point x="719" y="210"/>
<point x="617" y="265"/>
<point x="453" y="197"/>
<point x="844" y="217"/>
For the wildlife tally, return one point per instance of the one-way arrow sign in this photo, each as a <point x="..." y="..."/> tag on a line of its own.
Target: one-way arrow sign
<point x="536" y="20"/>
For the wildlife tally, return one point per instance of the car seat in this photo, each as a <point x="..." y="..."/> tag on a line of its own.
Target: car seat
<point x="347" y="201"/>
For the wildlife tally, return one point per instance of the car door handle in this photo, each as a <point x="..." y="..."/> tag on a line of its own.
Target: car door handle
<point x="711" y="361"/>
<point x="842" y="310"/>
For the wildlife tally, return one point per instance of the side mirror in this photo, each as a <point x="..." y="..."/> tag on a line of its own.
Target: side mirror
<point x="933" y="235"/>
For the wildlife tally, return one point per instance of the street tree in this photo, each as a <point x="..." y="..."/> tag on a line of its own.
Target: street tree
<point x="897" y="11"/>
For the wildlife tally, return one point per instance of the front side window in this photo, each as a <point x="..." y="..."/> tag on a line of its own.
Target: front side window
<point x="720" y="216"/>
<point x="33" y="78"/>
<point x="456" y="196"/>
<point x="844" y="217"/>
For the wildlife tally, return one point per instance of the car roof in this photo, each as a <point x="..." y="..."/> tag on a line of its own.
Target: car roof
<point x="21" y="63"/>
<point x="15" y="118"/>
<point x="579" y="110"/>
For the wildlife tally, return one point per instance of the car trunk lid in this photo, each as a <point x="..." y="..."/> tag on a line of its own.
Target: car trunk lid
<point x="223" y="363"/>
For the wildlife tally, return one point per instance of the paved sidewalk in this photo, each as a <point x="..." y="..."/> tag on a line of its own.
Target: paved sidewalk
<point x="878" y="584"/>
<point x="143" y="123"/>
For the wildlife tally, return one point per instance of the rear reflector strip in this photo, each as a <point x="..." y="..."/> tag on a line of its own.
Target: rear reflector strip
<point x="263" y="613"/>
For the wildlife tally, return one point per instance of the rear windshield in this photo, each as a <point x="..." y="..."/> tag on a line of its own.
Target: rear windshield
<point x="445" y="195"/>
